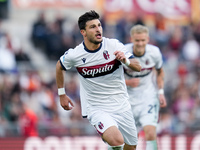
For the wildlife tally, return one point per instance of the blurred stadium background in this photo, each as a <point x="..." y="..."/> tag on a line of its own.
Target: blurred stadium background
<point x="34" y="33"/>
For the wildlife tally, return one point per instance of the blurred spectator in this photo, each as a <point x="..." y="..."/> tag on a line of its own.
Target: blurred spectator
<point x="175" y="41"/>
<point x="182" y="108"/>
<point x="47" y="102"/>
<point x="59" y="20"/>
<point x="191" y="50"/>
<point x="11" y="110"/>
<point x="39" y="30"/>
<point x="196" y="31"/>
<point x="30" y="81"/>
<point x="4" y="11"/>
<point x="1" y="31"/>
<point x="54" y="42"/>
<point x="50" y="36"/>
<point x="196" y="116"/>
<point x="72" y="89"/>
<point x="124" y="25"/>
<point x="67" y="42"/>
<point x="27" y="121"/>
<point x="7" y="57"/>
<point x="161" y="31"/>
<point x="75" y="120"/>
<point x="166" y="124"/>
<point x="76" y="36"/>
<point x="121" y="31"/>
<point x="182" y="72"/>
<point x="21" y="56"/>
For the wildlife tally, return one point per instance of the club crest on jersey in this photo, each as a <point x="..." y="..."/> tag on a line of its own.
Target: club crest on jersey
<point x="106" y="55"/>
<point x="147" y="62"/>
<point x="83" y="59"/>
<point x="100" y="125"/>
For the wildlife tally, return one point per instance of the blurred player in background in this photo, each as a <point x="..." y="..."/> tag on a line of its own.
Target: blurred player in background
<point x="145" y="89"/>
<point x="104" y="97"/>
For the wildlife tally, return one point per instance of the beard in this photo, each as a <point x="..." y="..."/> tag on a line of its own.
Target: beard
<point x="92" y="40"/>
<point x="97" y="42"/>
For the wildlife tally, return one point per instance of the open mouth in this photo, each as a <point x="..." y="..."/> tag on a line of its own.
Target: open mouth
<point x="98" y="35"/>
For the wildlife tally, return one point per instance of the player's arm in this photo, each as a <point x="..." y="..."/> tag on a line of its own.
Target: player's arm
<point x="134" y="64"/>
<point x="65" y="101"/>
<point x="160" y="84"/>
<point x="131" y="63"/>
<point x="160" y="78"/>
<point x="132" y="82"/>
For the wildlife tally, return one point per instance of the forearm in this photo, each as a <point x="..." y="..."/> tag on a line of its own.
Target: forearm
<point x="131" y="63"/>
<point x="59" y="75"/>
<point x="134" y="65"/>
<point x="160" y="78"/>
<point x="127" y="81"/>
<point x="160" y="84"/>
<point x="65" y="101"/>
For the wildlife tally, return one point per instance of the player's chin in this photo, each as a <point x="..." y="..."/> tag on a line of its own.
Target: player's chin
<point x="141" y="48"/>
<point x="97" y="41"/>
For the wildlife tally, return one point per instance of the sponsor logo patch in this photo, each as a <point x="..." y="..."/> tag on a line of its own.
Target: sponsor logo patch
<point x="98" y="70"/>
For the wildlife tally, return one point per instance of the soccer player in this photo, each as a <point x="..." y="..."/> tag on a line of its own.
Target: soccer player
<point x="103" y="93"/>
<point x="145" y="88"/>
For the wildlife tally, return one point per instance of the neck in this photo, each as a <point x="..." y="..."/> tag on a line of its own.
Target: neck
<point x="138" y="52"/>
<point x="91" y="46"/>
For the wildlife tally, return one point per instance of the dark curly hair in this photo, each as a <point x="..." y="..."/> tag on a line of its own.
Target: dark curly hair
<point x="91" y="15"/>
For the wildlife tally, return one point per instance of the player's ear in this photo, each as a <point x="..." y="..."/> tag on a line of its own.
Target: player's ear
<point x="147" y="39"/>
<point x="83" y="32"/>
<point x="131" y="38"/>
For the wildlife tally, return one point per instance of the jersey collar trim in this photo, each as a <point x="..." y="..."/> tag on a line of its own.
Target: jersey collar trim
<point x="94" y="51"/>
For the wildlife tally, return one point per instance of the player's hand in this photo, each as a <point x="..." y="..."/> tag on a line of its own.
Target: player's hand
<point x="120" y="56"/>
<point x="162" y="100"/>
<point x="66" y="102"/>
<point x="133" y="82"/>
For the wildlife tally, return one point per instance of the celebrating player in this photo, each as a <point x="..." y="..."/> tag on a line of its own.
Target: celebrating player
<point x="103" y="93"/>
<point x="145" y="90"/>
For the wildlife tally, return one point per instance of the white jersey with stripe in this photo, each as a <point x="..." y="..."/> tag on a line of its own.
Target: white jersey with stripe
<point x="152" y="58"/>
<point x="102" y="83"/>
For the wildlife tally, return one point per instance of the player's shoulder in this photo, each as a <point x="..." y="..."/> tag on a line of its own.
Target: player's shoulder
<point x="111" y="40"/>
<point x="152" y="48"/>
<point x="72" y="53"/>
<point x="129" y="45"/>
<point x="112" y="44"/>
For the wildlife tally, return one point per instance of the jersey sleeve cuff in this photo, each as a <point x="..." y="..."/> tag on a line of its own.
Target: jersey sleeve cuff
<point x="62" y="66"/>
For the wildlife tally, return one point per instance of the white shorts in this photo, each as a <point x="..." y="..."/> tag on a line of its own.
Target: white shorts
<point x="146" y="113"/>
<point x="123" y="121"/>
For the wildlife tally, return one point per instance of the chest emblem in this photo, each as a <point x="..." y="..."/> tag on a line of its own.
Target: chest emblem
<point x="83" y="59"/>
<point x="147" y="62"/>
<point x="106" y="55"/>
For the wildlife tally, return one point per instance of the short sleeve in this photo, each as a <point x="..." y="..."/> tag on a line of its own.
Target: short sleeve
<point x="66" y="60"/>
<point x="159" y="60"/>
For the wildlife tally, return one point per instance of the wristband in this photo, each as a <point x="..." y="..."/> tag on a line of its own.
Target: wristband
<point x="161" y="91"/>
<point x="61" y="91"/>
<point x="127" y="63"/>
